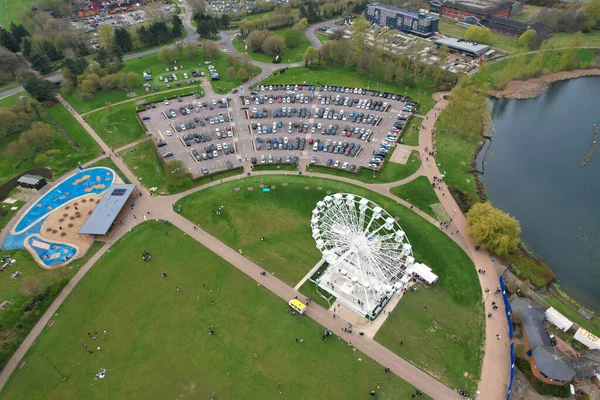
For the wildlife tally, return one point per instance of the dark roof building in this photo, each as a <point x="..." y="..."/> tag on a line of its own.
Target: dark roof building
<point x="532" y="316"/>
<point x="459" y="9"/>
<point x="32" y="181"/>
<point x="553" y="363"/>
<point x="409" y="21"/>
<point x="105" y="213"/>
<point x="510" y="27"/>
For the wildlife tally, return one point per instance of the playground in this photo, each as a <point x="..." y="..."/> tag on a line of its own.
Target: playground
<point x="48" y="229"/>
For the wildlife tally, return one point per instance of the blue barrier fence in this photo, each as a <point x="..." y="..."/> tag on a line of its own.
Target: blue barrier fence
<point x="512" y="371"/>
<point x="507" y="308"/>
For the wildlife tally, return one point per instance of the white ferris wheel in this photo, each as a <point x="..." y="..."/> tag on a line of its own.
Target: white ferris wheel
<point x="368" y="253"/>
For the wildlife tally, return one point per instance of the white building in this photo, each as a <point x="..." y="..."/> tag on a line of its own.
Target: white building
<point x="558" y="320"/>
<point x="585" y="337"/>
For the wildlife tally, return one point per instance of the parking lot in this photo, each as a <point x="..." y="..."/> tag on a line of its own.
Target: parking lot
<point x="345" y="128"/>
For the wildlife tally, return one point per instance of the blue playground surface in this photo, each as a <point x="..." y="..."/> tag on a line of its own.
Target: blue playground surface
<point x="26" y="233"/>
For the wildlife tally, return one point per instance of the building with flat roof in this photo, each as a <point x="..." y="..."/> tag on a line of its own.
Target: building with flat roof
<point x="32" y="181"/>
<point x="512" y="28"/>
<point x="419" y="24"/>
<point x="464" y="46"/>
<point x="457" y="10"/>
<point x="106" y="212"/>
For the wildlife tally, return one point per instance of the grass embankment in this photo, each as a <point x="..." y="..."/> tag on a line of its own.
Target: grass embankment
<point x="391" y="171"/>
<point x="421" y="194"/>
<point x="10" y="101"/>
<point x="323" y="37"/>
<point x="17" y="320"/>
<point x="572" y="314"/>
<point x="432" y="341"/>
<point x="349" y="78"/>
<point x="410" y="134"/>
<point x="71" y="146"/>
<point x="152" y="63"/>
<point x="117" y="128"/>
<point x="289" y="55"/>
<point x="500" y="42"/>
<point x="157" y="345"/>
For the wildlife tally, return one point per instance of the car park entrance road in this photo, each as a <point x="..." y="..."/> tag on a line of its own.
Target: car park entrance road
<point x="345" y="128"/>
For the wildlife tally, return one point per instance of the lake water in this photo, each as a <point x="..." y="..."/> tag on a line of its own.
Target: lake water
<point x="533" y="171"/>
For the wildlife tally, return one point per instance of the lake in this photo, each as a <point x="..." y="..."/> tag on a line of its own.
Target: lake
<point x="533" y="171"/>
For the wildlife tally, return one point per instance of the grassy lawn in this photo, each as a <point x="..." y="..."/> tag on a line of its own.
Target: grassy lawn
<point x="500" y="42"/>
<point x="309" y="290"/>
<point x="290" y="55"/>
<point x="143" y="161"/>
<point x="410" y="135"/>
<point x="323" y="38"/>
<point x="10" y="213"/>
<point x="573" y="316"/>
<point x="75" y="146"/>
<point x="433" y="340"/>
<point x="108" y="162"/>
<point x="157" y="344"/>
<point x="529" y="11"/>
<point x="10" y="10"/>
<point x="420" y="194"/>
<point x="10" y="101"/>
<point x="562" y="39"/>
<point x="391" y="171"/>
<point x="346" y="77"/>
<point x="454" y="159"/>
<point x="16" y="324"/>
<point x="282" y="216"/>
<point x="117" y="128"/>
<point x="277" y="167"/>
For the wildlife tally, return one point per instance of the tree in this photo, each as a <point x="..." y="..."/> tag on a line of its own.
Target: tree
<point x="256" y="39"/>
<point x="18" y="32"/>
<point x="243" y="74"/>
<point x="38" y="138"/>
<point x="102" y="57"/>
<point x="191" y="49"/>
<point x="134" y="81"/>
<point x="123" y="39"/>
<point x="87" y="86"/>
<point x="27" y="49"/>
<point x="338" y="34"/>
<point x="225" y="21"/>
<point x="211" y="49"/>
<point x="31" y="285"/>
<point x="39" y="89"/>
<point x="493" y="228"/>
<point x="48" y="48"/>
<point x="167" y="55"/>
<point x="529" y="40"/>
<point x="9" y="61"/>
<point x="292" y="39"/>
<point x="76" y="65"/>
<point x="40" y="62"/>
<point x="7" y="40"/>
<point x="592" y="13"/>
<point x="41" y="160"/>
<point x="359" y="33"/>
<point x="311" y="57"/>
<point x="106" y="33"/>
<point x="478" y="34"/>
<point x="309" y="9"/>
<point x="273" y="45"/>
<point x="177" y="174"/>
<point x="177" y="26"/>
<point x="108" y="82"/>
<point x="230" y="73"/>
<point x="11" y="123"/>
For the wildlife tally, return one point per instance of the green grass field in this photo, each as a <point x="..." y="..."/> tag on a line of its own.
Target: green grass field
<point x="157" y="345"/>
<point x="282" y="216"/>
<point x="420" y="194"/>
<point x="74" y="144"/>
<point x="410" y="135"/>
<point x="391" y="171"/>
<point x="117" y="128"/>
<point x="290" y="55"/>
<point x="10" y="101"/>
<point x="16" y="324"/>
<point x="500" y="42"/>
<point x="346" y="77"/>
<point x="324" y="38"/>
<point x="10" y="10"/>
<point x="143" y="161"/>
<point x="562" y="39"/>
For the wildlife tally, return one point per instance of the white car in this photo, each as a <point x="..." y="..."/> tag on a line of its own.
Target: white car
<point x="336" y="163"/>
<point x="219" y="147"/>
<point x="168" y="133"/>
<point x="167" y="102"/>
<point x="215" y="154"/>
<point x="225" y="146"/>
<point x="345" y="165"/>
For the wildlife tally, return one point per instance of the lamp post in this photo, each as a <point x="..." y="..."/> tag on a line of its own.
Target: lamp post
<point x="453" y="215"/>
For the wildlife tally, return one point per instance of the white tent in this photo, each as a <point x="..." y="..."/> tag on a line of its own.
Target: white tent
<point x="585" y="337"/>
<point x="558" y="320"/>
<point x="424" y="273"/>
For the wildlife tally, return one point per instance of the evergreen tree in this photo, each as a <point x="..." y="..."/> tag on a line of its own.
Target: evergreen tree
<point x="27" y="47"/>
<point x="177" y="29"/>
<point x="225" y="21"/>
<point x="101" y="57"/>
<point x="39" y="89"/>
<point x="117" y="53"/>
<point x="7" y="40"/>
<point x="123" y="39"/>
<point x="76" y="65"/>
<point x="40" y="62"/>
<point x="18" y="32"/>
<point x="50" y="50"/>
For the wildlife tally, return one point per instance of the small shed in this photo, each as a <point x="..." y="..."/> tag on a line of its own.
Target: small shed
<point x="558" y="320"/>
<point x="32" y="181"/>
<point x="424" y="273"/>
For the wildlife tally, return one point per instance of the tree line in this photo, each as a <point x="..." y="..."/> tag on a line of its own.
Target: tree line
<point x="268" y="42"/>
<point x="571" y="17"/>
<point x="208" y="26"/>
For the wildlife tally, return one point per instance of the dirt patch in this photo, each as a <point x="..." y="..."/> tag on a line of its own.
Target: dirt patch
<point x="328" y="192"/>
<point x="237" y="189"/>
<point x="532" y="88"/>
<point x="306" y="187"/>
<point x="250" y="188"/>
<point x="273" y="187"/>
<point x="132" y="94"/>
<point x="284" y="184"/>
<point x="319" y="188"/>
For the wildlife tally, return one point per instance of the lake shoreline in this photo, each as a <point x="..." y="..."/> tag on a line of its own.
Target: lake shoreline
<point x="535" y="87"/>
